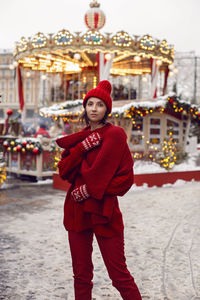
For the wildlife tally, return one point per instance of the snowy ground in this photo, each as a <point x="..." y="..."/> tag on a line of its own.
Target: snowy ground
<point x="162" y="244"/>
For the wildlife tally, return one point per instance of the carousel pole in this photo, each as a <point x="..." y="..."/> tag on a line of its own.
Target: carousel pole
<point x="64" y="86"/>
<point x="73" y="86"/>
<point x="79" y="85"/>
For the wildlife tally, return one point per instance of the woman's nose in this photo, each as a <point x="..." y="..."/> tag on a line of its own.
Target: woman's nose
<point x="94" y="107"/>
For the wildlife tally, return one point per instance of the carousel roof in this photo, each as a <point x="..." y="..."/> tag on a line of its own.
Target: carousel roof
<point x="71" y="52"/>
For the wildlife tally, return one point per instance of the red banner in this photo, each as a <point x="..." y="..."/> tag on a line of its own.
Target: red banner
<point x="20" y="87"/>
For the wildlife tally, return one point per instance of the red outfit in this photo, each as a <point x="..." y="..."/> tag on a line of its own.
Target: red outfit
<point x="107" y="171"/>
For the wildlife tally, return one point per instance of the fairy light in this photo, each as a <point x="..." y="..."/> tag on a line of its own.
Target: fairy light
<point x="94" y="81"/>
<point x="122" y="39"/>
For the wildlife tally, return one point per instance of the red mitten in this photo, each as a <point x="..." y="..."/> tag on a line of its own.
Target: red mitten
<point x="64" y="153"/>
<point x="93" y="140"/>
<point x="80" y="193"/>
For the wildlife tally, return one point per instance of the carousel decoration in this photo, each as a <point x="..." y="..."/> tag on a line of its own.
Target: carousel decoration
<point x="77" y="55"/>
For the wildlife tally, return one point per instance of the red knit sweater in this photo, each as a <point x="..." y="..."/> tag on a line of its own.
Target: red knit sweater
<point x="107" y="170"/>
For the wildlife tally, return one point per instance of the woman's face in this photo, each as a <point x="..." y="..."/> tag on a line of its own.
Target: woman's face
<point x="95" y="109"/>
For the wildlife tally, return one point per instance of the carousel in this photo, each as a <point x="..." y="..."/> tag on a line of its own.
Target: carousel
<point x="81" y="60"/>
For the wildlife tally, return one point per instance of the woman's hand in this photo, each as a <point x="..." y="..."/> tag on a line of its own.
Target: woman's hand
<point x="80" y="193"/>
<point x="92" y="141"/>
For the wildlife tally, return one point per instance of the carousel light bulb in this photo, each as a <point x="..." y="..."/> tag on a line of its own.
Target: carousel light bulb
<point x="15" y="64"/>
<point x="44" y="77"/>
<point x="171" y="73"/>
<point x="108" y="56"/>
<point x="28" y="74"/>
<point x="159" y="62"/>
<point x="144" y="79"/>
<point x="175" y="71"/>
<point x="137" y="58"/>
<point x="77" y="56"/>
<point x="171" y="67"/>
<point x="11" y="67"/>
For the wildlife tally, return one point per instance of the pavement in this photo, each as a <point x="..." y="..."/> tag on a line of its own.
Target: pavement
<point x="162" y="241"/>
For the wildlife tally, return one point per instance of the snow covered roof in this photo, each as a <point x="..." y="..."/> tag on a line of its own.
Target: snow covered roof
<point x="69" y="108"/>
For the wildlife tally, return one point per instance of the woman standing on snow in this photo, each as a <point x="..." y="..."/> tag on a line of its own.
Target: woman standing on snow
<point x="98" y="164"/>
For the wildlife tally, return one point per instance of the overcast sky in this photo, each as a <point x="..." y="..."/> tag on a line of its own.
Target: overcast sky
<point x="177" y="21"/>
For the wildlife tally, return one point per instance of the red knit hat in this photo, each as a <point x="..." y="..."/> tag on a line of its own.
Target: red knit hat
<point x="102" y="91"/>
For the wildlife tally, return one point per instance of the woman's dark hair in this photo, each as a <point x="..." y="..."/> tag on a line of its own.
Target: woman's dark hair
<point x="85" y="117"/>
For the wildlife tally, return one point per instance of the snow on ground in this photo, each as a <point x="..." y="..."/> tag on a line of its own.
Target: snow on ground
<point x="192" y="163"/>
<point x="162" y="238"/>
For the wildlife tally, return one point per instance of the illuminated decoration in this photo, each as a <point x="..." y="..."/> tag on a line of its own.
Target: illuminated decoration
<point x="159" y="62"/>
<point x="63" y="37"/>
<point x="77" y="56"/>
<point x="67" y="108"/>
<point x="172" y="105"/>
<point x="147" y="43"/>
<point x="55" y="53"/>
<point x="42" y="63"/>
<point x="93" y="38"/>
<point x="22" y="45"/>
<point x="94" y="17"/>
<point x="137" y="58"/>
<point x="2" y="173"/>
<point x="164" y="48"/>
<point x="23" y="145"/>
<point x="71" y="110"/>
<point x="39" y="40"/>
<point x="108" y="56"/>
<point x="167" y="157"/>
<point x="122" y="39"/>
<point x="2" y="165"/>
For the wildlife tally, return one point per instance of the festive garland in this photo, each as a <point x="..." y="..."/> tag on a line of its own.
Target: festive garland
<point x="173" y="105"/>
<point x="22" y="146"/>
<point x="30" y="145"/>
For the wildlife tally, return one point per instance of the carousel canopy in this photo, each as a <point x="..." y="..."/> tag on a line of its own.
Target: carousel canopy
<point x="69" y="53"/>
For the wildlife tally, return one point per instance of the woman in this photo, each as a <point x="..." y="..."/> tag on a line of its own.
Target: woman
<point x="98" y="164"/>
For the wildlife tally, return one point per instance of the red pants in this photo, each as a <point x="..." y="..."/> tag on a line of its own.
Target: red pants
<point x="112" y="250"/>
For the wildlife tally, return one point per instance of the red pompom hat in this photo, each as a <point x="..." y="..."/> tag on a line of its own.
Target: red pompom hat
<point x="102" y="91"/>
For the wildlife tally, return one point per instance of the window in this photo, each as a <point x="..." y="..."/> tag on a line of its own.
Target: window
<point x="30" y="113"/>
<point x="3" y="72"/>
<point x="155" y="121"/>
<point x="154" y="141"/>
<point x="3" y="85"/>
<point x="155" y="131"/>
<point x="172" y="129"/>
<point x="136" y="140"/>
<point x="10" y="97"/>
<point x="12" y="73"/>
<point x="1" y="114"/>
<point x="28" y="97"/>
<point x="28" y="84"/>
<point x="172" y="124"/>
<point x="11" y="84"/>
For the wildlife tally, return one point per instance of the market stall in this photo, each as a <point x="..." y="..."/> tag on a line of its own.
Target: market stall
<point x="31" y="157"/>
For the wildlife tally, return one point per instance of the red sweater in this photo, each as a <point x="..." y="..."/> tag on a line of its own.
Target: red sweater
<point x="107" y="170"/>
